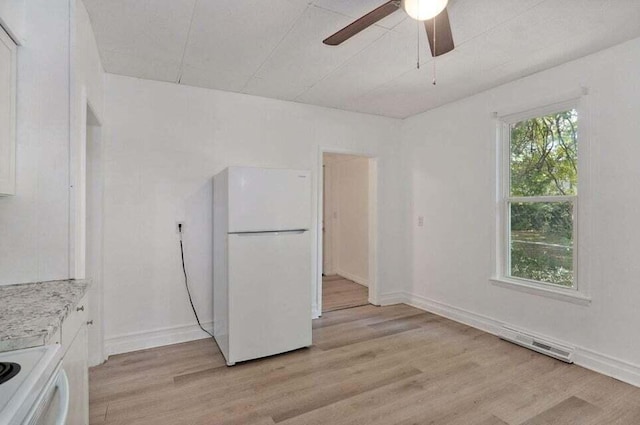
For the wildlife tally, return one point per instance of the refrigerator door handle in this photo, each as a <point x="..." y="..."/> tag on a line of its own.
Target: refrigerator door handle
<point x="272" y="232"/>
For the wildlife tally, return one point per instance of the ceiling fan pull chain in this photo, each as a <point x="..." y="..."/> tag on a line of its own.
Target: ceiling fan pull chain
<point x="434" y="72"/>
<point x="435" y="46"/>
<point x="418" y="41"/>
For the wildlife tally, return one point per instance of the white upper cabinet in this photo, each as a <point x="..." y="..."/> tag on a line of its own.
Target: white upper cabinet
<point x="7" y="115"/>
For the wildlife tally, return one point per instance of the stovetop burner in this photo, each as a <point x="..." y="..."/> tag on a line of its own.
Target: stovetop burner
<point x="8" y="370"/>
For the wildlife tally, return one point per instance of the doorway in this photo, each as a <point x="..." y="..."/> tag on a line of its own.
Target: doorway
<point x="346" y="228"/>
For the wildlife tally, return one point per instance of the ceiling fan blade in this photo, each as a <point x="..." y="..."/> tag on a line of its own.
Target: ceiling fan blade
<point x="358" y="25"/>
<point x="443" y="37"/>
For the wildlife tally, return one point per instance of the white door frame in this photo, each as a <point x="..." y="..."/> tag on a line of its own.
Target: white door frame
<point x="373" y="225"/>
<point x="328" y="265"/>
<point x="78" y="189"/>
<point x="85" y="115"/>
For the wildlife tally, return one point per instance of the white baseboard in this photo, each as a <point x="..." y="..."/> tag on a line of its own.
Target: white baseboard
<point x="392" y="298"/>
<point x="155" y="338"/>
<point x="353" y="277"/>
<point x="589" y="359"/>
<point x="607" y="365"/>
<point x="474" y="320"/>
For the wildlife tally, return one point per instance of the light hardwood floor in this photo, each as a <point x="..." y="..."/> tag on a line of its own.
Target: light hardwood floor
<point x="368" y="365"/>
<point x="339" y="292"/>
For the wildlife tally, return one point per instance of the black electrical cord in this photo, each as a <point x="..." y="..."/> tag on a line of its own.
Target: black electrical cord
<point x="186" y="284"/>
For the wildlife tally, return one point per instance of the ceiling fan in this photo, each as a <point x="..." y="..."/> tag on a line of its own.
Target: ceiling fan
<point x="432" y="12"/>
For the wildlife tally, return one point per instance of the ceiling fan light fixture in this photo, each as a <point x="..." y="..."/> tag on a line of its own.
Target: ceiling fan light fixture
<point x="423" y="10"/>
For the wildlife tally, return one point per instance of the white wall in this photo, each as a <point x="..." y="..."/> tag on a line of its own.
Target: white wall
<point x="34" y="224"/>
<point x="12" y="18"/>
<point x="164" y="145"/>
<point x="88" y="71"/>
<point x="450" y="173"/>
<point x="349" y="218"/>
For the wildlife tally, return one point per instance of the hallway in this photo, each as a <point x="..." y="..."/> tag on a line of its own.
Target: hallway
<point x="339" y="293"/>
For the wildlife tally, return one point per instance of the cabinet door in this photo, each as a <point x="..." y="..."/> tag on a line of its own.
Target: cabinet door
<point x="75" y="363"/>
<point x="7" y="114"/>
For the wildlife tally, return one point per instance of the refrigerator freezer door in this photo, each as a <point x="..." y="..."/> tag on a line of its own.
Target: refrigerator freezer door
<point x="269" y="294"/>
<point x="262" y="199"/>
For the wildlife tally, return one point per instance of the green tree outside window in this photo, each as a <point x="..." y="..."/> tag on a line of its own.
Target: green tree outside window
<point x="543" y="163"/>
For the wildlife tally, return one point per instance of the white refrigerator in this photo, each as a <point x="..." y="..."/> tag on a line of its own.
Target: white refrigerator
<point x="261" y="261"/>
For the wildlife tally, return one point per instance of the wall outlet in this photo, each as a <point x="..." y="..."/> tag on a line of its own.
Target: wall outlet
<point x="420" y="221"/>
<point x="178" y="224"/>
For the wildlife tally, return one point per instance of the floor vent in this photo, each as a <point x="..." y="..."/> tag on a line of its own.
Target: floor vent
<point x="534" y="343"/>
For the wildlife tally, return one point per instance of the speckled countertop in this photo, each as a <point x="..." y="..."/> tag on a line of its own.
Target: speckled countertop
<point x="31" y="313"/>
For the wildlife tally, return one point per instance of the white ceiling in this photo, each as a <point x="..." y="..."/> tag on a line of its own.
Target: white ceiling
<point x="273" y="48"/>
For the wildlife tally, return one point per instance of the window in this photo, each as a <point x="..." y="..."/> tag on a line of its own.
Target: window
<point x="540" y="198"/>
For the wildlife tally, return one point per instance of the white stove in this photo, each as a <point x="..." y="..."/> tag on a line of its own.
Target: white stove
<point x="38" y="393"/>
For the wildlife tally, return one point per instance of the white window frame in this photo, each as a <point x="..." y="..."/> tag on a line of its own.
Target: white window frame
<point x="502" y="277"/>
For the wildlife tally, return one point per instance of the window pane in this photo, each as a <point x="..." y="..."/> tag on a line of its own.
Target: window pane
<point x="541" y="242"/>
<point x="544" y="155"/>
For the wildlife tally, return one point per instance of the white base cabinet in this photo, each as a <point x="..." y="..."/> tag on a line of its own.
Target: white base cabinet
<point x="76" y="363"/>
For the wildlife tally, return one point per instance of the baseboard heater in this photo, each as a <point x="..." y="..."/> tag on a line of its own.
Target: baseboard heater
<point x="551" y="349"/>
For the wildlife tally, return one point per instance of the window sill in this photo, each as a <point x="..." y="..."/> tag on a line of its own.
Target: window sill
<point x="570" y="296"/>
